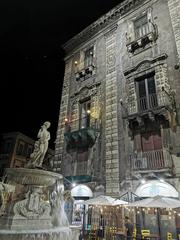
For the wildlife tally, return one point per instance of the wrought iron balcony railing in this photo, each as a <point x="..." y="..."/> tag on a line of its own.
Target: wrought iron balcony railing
<point x="151" y="160"/>
<point x="146" y="103"/>
<point x="82" y="123"/>
<point x="81" y="134"/>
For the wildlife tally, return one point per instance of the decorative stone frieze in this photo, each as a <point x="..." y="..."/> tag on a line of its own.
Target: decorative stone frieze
<point x="107" y="19"/>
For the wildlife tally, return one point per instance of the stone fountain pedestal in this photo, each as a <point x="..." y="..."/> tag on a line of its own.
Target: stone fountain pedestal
<point x="28" y="213"/>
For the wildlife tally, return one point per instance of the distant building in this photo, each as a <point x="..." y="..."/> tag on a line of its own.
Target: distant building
<point x="120" y="107"/>
<point x="15" y="149"/>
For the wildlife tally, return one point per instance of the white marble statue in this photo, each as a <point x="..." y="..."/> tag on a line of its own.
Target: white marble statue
<point x="40" y="147"/>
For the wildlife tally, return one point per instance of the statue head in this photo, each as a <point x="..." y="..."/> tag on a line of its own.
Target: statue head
<point x="47" y="124"/>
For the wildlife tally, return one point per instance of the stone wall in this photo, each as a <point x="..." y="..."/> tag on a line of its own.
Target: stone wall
<point x="59" y="144"/>
<point x="111" y="130"/>
<point x="174" y="9"/>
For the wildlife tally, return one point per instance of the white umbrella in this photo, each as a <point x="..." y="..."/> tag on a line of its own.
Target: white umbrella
<point x="157" y="202"/>
<point x="105" y="200"/>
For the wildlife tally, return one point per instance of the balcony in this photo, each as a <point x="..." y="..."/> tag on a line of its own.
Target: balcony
<point x="143" y="41"/>
<point x="147" y="103"/>
<point x="81" y="134"/>
<point x="156" y="160"/>
<point x="85" y="73"/>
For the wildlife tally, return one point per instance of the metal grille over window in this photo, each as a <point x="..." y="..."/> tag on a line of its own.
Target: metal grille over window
<point x="141" y="26"/>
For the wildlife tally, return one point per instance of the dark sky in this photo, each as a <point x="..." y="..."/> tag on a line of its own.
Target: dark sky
<point x="31" y="58"/>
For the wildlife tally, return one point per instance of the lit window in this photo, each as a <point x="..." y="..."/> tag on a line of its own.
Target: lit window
<point x="85" y="114"/>
<point x="88" y="61"/>
<point x="146" y="91"/>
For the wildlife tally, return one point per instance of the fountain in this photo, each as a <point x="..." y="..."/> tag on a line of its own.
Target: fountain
<point x="35" y="210"/>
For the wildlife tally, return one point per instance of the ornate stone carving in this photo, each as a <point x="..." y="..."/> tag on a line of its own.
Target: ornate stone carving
<point x="144" y="64"/>
<point x="32" y="207"/>
<point x="101" y="23"/>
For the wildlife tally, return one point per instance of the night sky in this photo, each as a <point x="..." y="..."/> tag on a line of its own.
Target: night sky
<point x="31" y="58"/>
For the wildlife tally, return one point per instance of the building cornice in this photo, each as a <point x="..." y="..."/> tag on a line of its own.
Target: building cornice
<point x="101" y="23"/>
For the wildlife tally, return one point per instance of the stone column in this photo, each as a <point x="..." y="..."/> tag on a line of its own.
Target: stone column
<point x="111" y="117"/>
<point x="174" y="9"/>
<point x="59" y="144"/>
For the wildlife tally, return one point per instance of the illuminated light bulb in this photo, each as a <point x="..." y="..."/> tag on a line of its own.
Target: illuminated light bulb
<point x="66" y="120"/>
<point x="178" y="214"/>
<point x="76" y="62"/>
<point x="143" y="181"/>
<point x="138" y="212"/>
<point x="88" y="111"/>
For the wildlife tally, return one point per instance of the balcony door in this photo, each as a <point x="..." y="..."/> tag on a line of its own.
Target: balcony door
<point x="149" y="150"/>
<point x="151" y="141"/>
<point x="85" y="114"/>
<point x="146" y="92"/>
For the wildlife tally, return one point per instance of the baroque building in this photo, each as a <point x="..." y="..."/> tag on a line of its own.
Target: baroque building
<point x="120" y="106"/>
<point x="15" y="150"/>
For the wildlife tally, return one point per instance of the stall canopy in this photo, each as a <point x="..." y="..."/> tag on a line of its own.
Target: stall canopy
<point x="105" y="200"/>
<point x="157" y="202"/>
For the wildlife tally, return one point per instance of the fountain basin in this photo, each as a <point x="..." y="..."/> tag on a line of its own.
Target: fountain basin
<point x="36" y="177"/>
<point x="59" y="233"/>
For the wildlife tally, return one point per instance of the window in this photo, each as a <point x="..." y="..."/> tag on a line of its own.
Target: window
<point x="20" y="149"/>
<point x="149" y="150"/>
<point x="88" y="60"/>
<point x="146" y="91"/>
<point x="7" y="147"/>
<point x="141" y="26"/>
<point x="85" y="114"/>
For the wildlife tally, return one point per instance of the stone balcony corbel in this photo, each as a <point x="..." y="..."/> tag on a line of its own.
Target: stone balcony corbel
<point x="84" y="72"/>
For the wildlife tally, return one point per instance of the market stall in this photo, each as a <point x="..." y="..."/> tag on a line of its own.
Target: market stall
<point x="158" y="216"/>
<point x="105" y="217"/>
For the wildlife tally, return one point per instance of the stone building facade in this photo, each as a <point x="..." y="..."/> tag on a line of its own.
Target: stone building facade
<point x="120" y="106"/>
<point x="15" y="150"/>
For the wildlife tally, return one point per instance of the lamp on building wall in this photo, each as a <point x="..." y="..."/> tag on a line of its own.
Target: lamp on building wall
<point x="143" y="181"/>
<point x="73" y="184"/>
